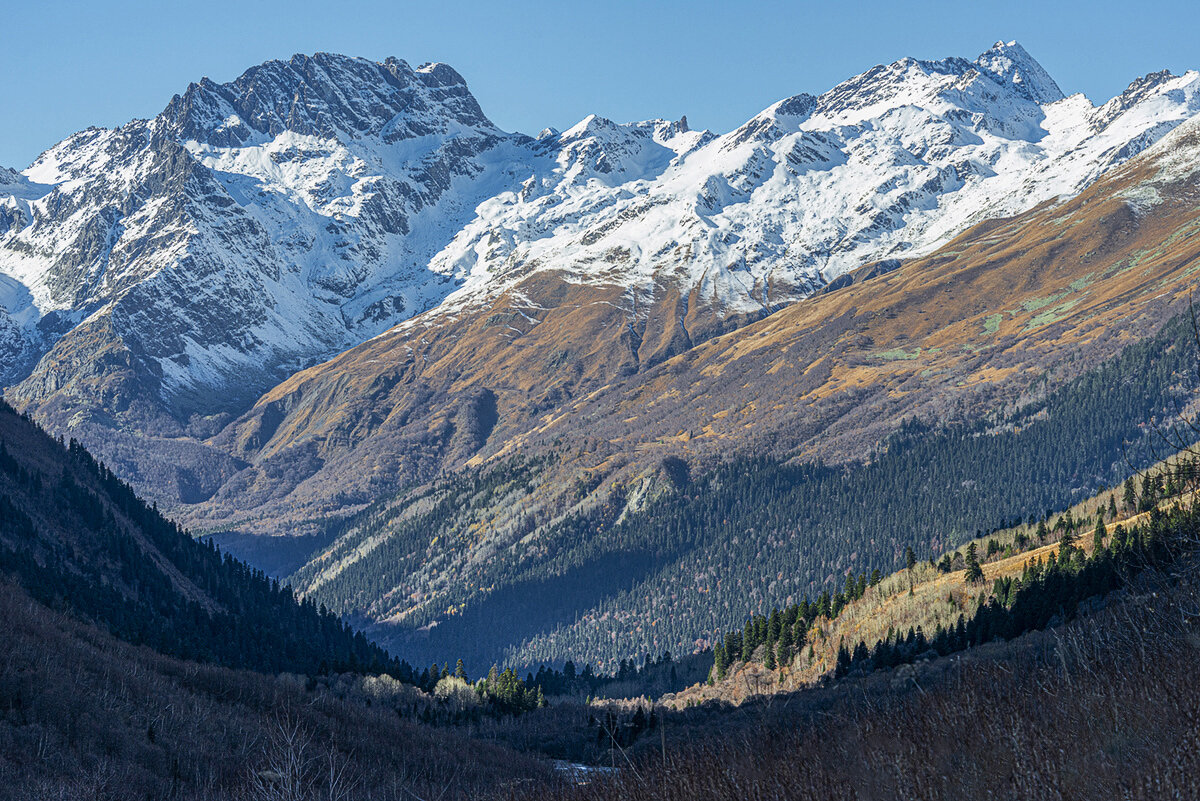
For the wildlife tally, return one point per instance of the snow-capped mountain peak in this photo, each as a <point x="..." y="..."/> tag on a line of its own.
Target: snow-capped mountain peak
<point x="1010" y="63"/>
<point x="261" y="223"/>
<point x="327" y="96"/>
<point x="311" y="203"/>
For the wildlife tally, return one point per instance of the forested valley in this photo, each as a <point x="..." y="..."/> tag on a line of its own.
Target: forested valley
<point x="755" y="533"/>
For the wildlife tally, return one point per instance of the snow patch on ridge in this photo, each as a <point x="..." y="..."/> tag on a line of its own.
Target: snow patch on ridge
<point x="314" y="203"/>
<point x="1010" y="63"/>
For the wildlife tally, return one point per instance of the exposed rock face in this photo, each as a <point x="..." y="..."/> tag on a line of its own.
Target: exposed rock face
<point x="160" y="279"/>
<point x="250" y="226"/>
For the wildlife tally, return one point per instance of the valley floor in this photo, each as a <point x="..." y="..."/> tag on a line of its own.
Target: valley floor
<point x="1102" y="707"/>
<point x="86" y="716"/>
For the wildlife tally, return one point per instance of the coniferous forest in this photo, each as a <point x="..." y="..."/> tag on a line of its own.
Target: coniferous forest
<point x="755" y="533"/>
<point x="358" y="446"/>
<point x="104" y="555"/>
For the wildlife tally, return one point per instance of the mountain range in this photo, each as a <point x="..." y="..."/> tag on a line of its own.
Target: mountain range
<point x="331" y="297"/>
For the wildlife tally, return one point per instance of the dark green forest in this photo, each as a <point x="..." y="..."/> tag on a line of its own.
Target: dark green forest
<point x="110" y="559"/>
<point x="755" y="533"/>
<point x="1046" y="593"/>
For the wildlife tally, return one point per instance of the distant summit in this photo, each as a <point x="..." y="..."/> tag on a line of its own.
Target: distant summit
<point x="173" y="274"/>
<point x="324" y="95"/>
<point x="1011" y="63"/>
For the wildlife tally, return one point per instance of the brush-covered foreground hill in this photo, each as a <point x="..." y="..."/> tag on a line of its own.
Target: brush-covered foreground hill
<point x="1098" y="707"/>
<point x="1028" y="351"/>
<point x="86" y="715"/>
<point x="137" y="662"/>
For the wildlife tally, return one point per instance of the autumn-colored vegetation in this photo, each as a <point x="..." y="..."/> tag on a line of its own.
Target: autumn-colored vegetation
<point x="1097" y="708"/>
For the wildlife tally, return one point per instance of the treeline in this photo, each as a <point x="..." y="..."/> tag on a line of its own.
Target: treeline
<point x="571" y="681"/>
<point x="781" y="635"/>
<point x="513" y="694"/>
<point x="752" y="534"/>
<point x="99" y="560"/>
<point x="1047" y="593"/>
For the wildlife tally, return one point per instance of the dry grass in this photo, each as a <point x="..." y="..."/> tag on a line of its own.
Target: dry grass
<point x="1102" y="708"/>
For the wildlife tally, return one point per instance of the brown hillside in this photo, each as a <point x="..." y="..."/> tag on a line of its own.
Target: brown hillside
<point x="995" y="317"/>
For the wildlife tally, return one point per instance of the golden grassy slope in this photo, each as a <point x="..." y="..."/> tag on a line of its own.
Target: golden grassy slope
<point x="923" y="597"/>
<point x="1049" y="292"/>
<point x="994" y="317"/>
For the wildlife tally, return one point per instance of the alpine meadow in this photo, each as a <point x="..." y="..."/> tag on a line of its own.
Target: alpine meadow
<point x="355" y="448"/>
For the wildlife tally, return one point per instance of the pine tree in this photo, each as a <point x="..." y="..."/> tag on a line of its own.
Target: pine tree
<point x="1118" y="539"/>
<point x="1112" y="507"/>
<point x="719" y="663"/>
<point x="842" y="667"/>
<point x="839" y="601"/>
<point x="1068" y="540"/>
<point x="1099" y="534"/>
<point x="785" y="645"/>
<point x="1149" y="496"/>
<point x="861" y="658"/>
<point x="910" y="558"/>
<point x="733" y="647"/>
<point x="774" y="626"/>
<point x="974" y="571"/>
<point x="800" y="634"/>
<point x="460" y="671"/>
<point x="1130" y="499"/>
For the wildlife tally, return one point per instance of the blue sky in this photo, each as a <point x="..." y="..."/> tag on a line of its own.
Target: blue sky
<point x="67" y="65"/>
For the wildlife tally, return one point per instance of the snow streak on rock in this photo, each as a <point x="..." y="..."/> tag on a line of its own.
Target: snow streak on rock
<point x="257" y="226"/>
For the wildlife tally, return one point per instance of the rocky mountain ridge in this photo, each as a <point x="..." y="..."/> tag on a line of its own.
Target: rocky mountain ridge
<point x="1028" y="352"/>
<point x="159" y="280"/>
